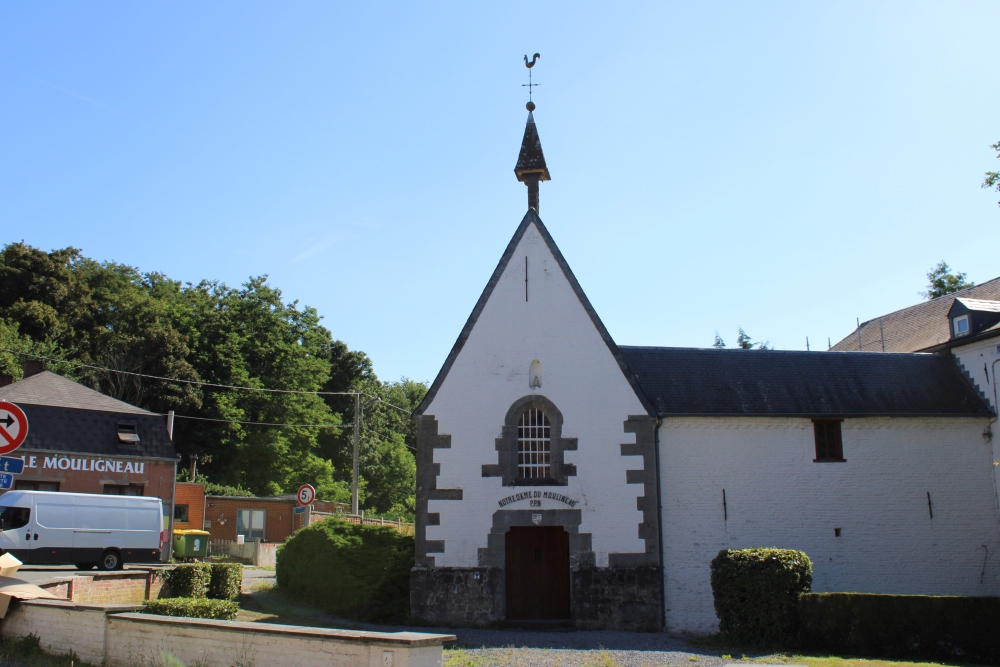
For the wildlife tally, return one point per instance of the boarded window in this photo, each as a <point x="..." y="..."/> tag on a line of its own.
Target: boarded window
<point x="829" y="446"/>
<point x="533" y="445"/>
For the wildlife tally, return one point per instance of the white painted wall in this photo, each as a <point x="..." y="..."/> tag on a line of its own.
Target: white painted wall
<point x="579" y="375"/>
<point x="778" y="497"/>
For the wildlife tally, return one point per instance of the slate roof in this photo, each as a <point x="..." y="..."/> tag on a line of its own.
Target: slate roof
<point x="531" y="159"/>
<point x="712" y="382"/>
<point x="918" y="327"/>
<point x="979" y="305"/>
<point x="65" y="416"/>
<point x="47" y="388"/>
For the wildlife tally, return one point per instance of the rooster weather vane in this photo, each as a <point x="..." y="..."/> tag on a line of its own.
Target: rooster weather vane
<point x="529" y="64"/>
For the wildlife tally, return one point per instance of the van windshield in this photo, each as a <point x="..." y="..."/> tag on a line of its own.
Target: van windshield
<point x="14" y="517"/>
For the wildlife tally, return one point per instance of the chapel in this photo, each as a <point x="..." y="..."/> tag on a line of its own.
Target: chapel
<point x="563" y="479"/>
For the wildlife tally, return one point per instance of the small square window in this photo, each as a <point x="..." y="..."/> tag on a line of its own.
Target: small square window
<point x="829" y="445"/>
<point x="181" y="513"/>
<point x="127" y="434"/>
<point x="961" y="325"/>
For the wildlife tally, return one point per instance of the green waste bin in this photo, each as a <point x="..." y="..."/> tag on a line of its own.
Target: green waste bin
<point x="191" y="543"/>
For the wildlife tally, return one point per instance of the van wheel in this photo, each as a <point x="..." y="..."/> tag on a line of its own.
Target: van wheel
<point x="110" y="560"/>
<point x="86" y="566"/>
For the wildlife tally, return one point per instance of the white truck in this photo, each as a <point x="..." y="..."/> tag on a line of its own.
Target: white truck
<point x="84" y="529"/>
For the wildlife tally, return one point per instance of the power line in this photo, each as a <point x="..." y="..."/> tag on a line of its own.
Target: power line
<point x="232" y="421"/>
<point x="207" y="384"/>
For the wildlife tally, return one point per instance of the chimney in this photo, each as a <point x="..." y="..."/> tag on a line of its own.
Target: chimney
<point x="33" y="367"/>
<point x="6" y="380"/>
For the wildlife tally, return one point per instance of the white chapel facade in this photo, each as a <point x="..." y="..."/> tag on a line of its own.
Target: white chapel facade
<point x="562" y="478"/>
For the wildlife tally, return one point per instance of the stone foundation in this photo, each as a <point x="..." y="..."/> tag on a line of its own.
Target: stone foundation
<point x="458" y="597"/>
<point x="601" y="598"/>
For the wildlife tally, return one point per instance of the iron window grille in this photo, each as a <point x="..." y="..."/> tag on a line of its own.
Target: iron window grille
<point x="534" y="445"/>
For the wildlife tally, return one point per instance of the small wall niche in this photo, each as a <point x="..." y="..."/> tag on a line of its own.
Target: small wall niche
<point x="535" y="375"/>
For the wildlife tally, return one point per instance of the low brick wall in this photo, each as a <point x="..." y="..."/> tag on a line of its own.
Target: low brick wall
<point x="103" y="634"/>
<point x="127" y="587"/>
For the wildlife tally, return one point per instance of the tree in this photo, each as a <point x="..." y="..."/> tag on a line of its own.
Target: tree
<point x="743" y="342"/>
<point x="942" y="281"/>
<point x="992" y="178"/>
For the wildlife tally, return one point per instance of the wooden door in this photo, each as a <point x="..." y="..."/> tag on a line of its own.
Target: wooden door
<point x="537" y="573"/>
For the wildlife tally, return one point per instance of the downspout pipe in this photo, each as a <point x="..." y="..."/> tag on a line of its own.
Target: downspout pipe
<point x="659" y="525"/>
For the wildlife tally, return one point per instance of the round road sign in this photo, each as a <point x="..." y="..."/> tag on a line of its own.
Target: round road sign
<point x="306" y="494"/>
<point x="13" y="427"/>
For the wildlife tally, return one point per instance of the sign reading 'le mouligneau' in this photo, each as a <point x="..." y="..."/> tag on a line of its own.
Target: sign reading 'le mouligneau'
<point x="535" y="498"/>
<point x="78" y="463"/>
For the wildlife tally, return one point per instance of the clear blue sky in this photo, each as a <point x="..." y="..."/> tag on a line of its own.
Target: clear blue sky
<point x="786" y="167"/>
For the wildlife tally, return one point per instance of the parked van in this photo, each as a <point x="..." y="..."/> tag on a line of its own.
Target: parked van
<point x="84" y="529"/>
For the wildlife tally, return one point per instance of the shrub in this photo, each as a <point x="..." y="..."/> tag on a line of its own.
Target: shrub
<point x="226" y="581"/>
<point x="357" y="571"/>
<point x="902" y="626"/>
<point x="190" y="580"/>
<point x="225" y="610"/>
<point x="756" y="593"/>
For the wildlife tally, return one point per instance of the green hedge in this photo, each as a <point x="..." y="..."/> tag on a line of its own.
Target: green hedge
<point x="902" y="626"/>
<point x="356" y="571"/>
<point x="226" y="580"/>
<point x="756" y="593"/>
<point x="225" y="610"/>
<point x="190" y="580"/>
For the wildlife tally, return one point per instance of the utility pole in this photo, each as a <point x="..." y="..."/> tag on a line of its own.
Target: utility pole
<point x="354" y="477"/>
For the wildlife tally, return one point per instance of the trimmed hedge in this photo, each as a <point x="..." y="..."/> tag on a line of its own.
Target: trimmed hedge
<point x="357" y="571"/>
<point x="190" y="580"/>
<point x="225" y="610"/>
<point x="225" y="581"/>
<point x="756" y="593"/>
<point x="926" y="627"/>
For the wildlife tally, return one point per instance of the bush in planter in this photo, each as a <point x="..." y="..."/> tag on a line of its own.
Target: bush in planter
<point x="756" y="593"/>
<point x="225" y="610"/>
<point x="225" y="582"/>
<point x="357" y="571"/>
<point x="190" y="580"/>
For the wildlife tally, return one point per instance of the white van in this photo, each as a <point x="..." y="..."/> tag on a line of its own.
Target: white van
<point x="84" y="529"/>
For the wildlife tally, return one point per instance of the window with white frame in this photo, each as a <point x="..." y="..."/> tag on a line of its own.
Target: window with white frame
<point x="250" y="524"/>
<point x="534" y="445"/>
<point x="961" y="325"/>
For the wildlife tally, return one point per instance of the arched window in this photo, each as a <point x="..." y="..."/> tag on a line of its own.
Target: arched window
<point x="534" y="445"/>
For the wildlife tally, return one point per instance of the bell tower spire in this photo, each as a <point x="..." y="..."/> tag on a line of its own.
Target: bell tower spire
<point x="530" y="168"/>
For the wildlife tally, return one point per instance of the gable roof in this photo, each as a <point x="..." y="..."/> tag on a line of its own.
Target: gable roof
<point x="712" y="382"/>
<point x="47" y="388"/>
<point x="919" y="327"/>
<point x="531" y="217"/>
<point x="977" y="305"/>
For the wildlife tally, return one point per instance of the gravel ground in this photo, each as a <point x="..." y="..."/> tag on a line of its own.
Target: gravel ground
<point x="482" y="648"/>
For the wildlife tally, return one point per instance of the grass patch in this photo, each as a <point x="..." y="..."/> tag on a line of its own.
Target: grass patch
<point x="26" y="652"/>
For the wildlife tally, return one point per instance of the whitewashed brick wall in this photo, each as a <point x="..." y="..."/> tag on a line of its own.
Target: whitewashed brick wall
<point x="777" y="496"/>
<point x="579" y="375"/>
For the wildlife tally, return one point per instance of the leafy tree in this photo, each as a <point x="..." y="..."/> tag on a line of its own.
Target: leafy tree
<point x="63" y="305"/>
<point x="992" y="178"/>
<point x="743" y="342"/>
<point x="942" y="281"/>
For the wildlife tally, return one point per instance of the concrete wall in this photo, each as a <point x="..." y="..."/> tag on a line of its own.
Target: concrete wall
<point x="102" y="635"/>
<point x="777" y="496"/>
<point x="578" y="374"/>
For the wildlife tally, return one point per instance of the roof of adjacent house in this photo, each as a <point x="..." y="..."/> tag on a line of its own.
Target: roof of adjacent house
<point x="47" y="388"/>
<point x="713" y="382"/>
<point x="918" y="327"/>
<point x="66" y="416"/>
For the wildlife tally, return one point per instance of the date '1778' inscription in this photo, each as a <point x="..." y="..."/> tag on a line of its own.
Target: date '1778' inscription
<point x="535" y="497"/>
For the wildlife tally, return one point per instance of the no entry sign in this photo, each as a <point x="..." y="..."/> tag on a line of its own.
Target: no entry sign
<point x="13" y="427"/>
<point x="306" y="494"/>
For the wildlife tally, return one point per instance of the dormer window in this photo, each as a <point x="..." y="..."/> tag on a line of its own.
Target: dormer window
<point x="961" y="325"/>
<point x="127" y="434"/>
